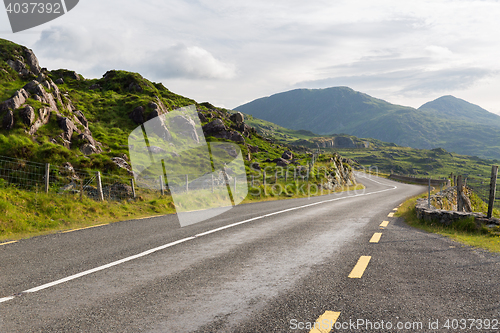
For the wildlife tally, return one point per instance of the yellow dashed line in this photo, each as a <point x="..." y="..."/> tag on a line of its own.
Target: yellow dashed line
<point x="359" y="269"/>
<point x="384" y="224"/>
<point x="390" y="215"/>
<point x="8" y="243"/>
<point x="325" y="322"/>
<point x="376" y="237"/>
<point x="94" y="226"/>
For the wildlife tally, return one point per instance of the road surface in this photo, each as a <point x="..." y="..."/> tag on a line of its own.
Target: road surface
<point x="277" y="266"/>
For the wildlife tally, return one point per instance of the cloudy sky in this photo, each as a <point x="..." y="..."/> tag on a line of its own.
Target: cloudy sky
<point x="230" y="52"/>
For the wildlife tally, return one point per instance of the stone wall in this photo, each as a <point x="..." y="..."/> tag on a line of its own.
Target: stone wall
<point x="421" y="181"/>
<point x="447" y="217"/>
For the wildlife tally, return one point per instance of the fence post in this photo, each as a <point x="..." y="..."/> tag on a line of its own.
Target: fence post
<point x="187" y="183"/>
<point x="460" y="206"/>
<point x="162" y="187"/>
<point x="133" y="187"/>
<point x="295" y="174"/>
<point x="286" y="176"/>
<point x="47" y="177"/>
<point x="493" y="189"/>
<point x="213" y="190"/>
<point x="234" y="186"/>
<point x="81" y="189"/>
<point x="264" y="178"/>
<point x="429" y="196"/>
<point x="276" y="176"/>
<point x="100" y="195"/>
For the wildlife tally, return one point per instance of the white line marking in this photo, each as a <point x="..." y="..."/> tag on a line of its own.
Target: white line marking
<point x="145" y="253"/>
<point x="5" y="299"/>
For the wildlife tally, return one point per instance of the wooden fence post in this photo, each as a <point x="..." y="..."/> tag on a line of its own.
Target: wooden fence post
<point x="162" y="186"/>
<point x="493" y="189"/>
<point x="276" y="176"/>
<point x="100" y="195"/>
<point x="81" y="189"/>
<point x="213" y="189"/>
<point x="460" y="204"/>
<point x="264" y="178"/>
<point x="47" y="177"/>
<point x="133" y="187"/>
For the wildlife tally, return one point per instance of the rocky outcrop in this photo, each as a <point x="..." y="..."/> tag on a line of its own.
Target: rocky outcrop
<point x="27" y="115"/>
<point x="8" y="120"/>
<point x="137" y="115"/>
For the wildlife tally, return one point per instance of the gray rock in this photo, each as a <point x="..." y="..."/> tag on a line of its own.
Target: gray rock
<point x="237" y="117"/>
<point x="185" y="126"/>
<point x="121" y="163"/>
<point x="88" y="149"/>
<point x="60" y="81"/>
<point x="155" y="150"/>
<point x="287" y="155"/>
<point x="27" y="115"/>
<point x="153" y="114"/>
<point x="213" y="127"/>
<point x="95" y="86"/>
<point x="202" y="117"/>
<point x="81" y="117"/>
<point x="16" y="101"/>
<point x="281" y="162"/>
<point x="230" y="135"/>
<point x="137" y="115"/>
<point x="253" y="149"/>
<point x="75" y="76"/>
<point x="68" y="127"/>
<point x="8" y="120"/>
<point x="32" y="61"/>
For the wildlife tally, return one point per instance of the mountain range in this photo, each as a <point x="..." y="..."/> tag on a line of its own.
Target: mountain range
<point x="447" y="122"/>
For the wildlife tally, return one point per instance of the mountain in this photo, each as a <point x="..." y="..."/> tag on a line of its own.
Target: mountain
<point x="448" y="122"/>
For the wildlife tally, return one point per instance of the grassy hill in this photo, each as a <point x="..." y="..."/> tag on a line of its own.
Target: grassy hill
<point x="448" y="122"/>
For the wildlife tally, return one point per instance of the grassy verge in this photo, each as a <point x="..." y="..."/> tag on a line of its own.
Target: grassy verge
<point x="464" y="231"/>
<point x="33" y="214"/>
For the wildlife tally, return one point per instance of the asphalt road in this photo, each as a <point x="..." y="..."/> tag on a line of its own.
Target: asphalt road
<point x="286" y="265"/>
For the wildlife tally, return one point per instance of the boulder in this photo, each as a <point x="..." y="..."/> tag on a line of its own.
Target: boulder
<point x="74" y="76"/>
<point x="213" y="127"/>
<point x="88" y="149"/>
<point x="121" y="163"/>
<point x="185" y="126"/>
<point x="16" y="101"/>
<point x="287" y="155"/>
<point x="253" y="149"/>
<point x="281" y="162"/>
<point x="27" y="115"/>
<point x="68" y="127"/>
<point x="237" y="118"/>
<point x="8" y="120"/>
<point x="60" y="81"/>
<point x="19" y="67"/>
<point x="230" y="135"/>
<point x="202" y="117"/>
<point x="137" y="115"/>
<point x="153" y="114"/>
<point x="95" y="86"/>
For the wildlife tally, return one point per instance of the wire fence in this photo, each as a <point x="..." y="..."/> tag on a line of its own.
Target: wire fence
<point x="66" y="179"/>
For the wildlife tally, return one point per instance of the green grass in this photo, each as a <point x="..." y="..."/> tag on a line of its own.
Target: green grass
<point x="34" y="213"/>
<point x="464" y="231"/>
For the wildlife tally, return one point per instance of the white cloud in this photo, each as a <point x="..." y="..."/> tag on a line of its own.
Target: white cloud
<point x="190" y="62"/>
